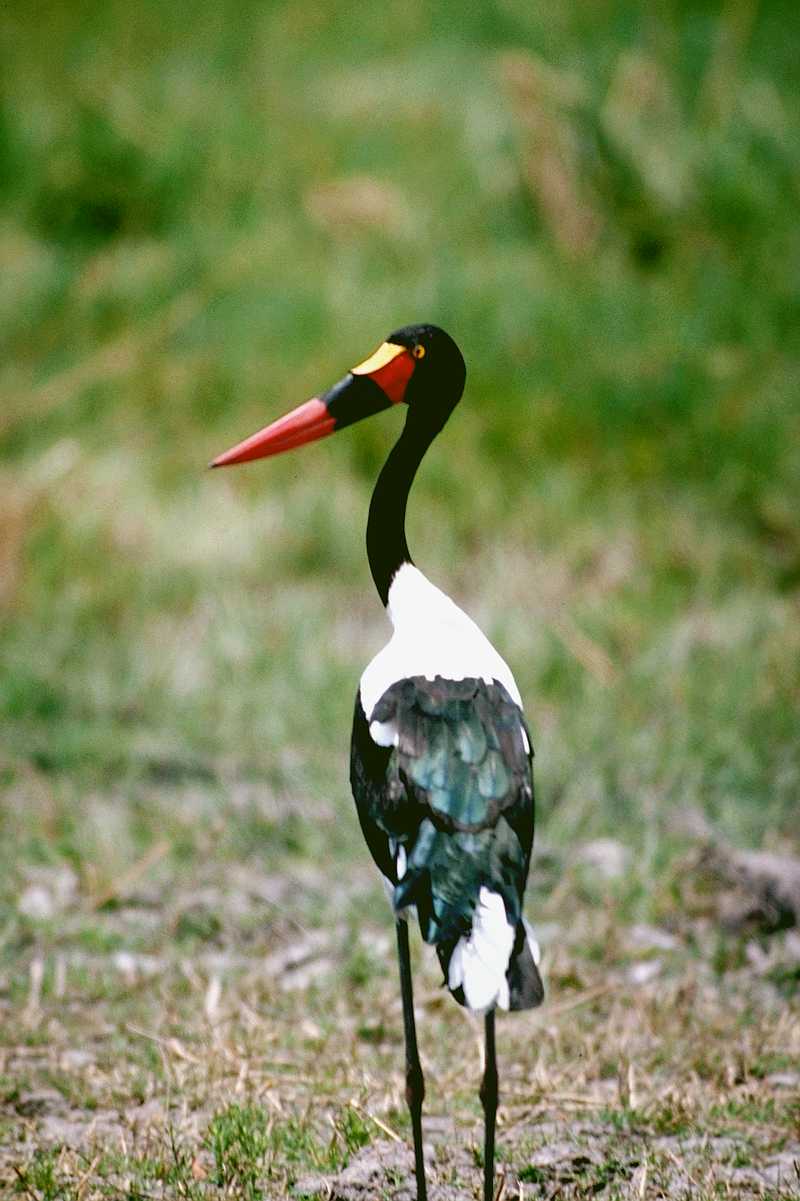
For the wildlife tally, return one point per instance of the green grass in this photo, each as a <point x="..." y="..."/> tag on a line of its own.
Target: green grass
<point x="208" y="213"/>
<point x="631" y="417"/>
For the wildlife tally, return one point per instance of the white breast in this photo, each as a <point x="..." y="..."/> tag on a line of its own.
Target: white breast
<point x="432" y="637"/>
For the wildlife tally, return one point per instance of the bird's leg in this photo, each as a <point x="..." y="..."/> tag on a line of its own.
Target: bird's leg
<point x="489" y="1102"/>
<point x="415" y="1083"/>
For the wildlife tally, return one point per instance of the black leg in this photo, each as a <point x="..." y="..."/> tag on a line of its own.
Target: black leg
<point x="489" y="1102"/>
<point x="415" y="1083"/>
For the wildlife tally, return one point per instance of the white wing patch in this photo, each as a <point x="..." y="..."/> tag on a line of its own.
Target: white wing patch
<point x="398" y="853"/>
<point x="479" y="963"/>
<point x="384" y="733"/>
<point x="432" y="637"/>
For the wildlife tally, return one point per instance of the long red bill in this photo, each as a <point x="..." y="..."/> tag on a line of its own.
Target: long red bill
<point x="306" y="423"/>
<point x="376" y="384"/>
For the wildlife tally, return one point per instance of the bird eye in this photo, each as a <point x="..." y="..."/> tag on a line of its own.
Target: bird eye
<point x="418" y="351"/>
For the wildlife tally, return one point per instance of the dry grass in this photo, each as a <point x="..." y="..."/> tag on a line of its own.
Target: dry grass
<point x="665" y="1060"/>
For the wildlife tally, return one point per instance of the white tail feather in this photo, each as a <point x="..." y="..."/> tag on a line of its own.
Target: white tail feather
<point x="533" y="942"/>
<point x="479" y="963"/>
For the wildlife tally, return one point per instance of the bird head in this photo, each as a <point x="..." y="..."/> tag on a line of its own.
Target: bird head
<point x="419" y="366"/>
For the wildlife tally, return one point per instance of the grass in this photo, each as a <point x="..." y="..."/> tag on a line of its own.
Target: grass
<point x="210" y="212"/>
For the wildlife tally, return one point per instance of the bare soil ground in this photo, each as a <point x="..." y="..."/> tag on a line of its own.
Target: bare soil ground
<point x="239" y="1051"/>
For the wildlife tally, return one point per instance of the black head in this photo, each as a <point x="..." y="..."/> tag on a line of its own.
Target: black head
<point x="437" y="383"/>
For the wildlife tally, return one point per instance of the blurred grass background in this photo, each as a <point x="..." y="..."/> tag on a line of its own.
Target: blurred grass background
<point x="209" y="212"/>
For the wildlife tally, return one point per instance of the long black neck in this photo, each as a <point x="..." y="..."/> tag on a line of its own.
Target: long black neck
<point x="387" y="548"/>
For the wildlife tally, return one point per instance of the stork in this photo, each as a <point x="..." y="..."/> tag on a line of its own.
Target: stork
<point x="441" y="757"/>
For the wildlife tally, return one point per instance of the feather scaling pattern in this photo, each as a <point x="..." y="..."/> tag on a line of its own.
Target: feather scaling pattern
<point x="454" y="792"/>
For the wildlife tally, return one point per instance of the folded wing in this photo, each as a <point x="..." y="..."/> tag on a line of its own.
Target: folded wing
<point x="442" y="778"/>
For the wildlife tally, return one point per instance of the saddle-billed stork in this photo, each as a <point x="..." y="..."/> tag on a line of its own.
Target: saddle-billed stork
<point x="441" y="759"/>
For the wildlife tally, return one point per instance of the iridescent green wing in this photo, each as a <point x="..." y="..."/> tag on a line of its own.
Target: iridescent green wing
<point x="458" y="797"/>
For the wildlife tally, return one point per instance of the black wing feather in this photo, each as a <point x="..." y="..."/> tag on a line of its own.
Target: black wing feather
<point x="456" y="793"/>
